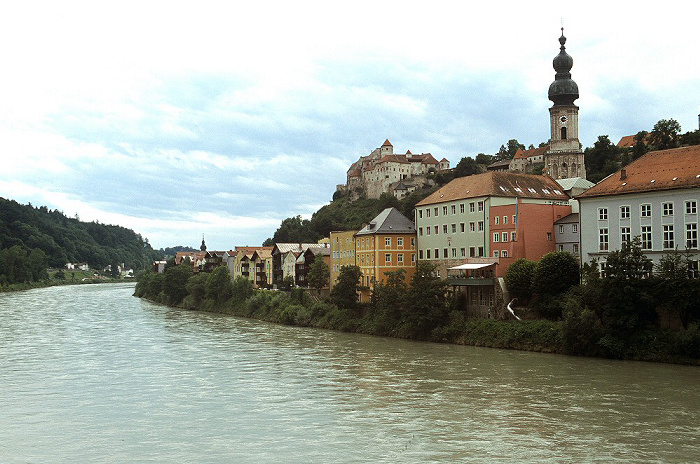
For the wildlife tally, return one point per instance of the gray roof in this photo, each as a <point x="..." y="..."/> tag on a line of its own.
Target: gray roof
<point x="575" y="182"/>
<point x="389" y="221"/>
<point x="568" y="219"/>
<point x="296" y="247"/>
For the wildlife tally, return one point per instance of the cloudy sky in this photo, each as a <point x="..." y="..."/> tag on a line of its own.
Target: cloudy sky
<point x="178" y="119"/>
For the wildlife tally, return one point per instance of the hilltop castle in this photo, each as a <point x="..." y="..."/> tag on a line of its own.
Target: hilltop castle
<point x="383" y="171"/>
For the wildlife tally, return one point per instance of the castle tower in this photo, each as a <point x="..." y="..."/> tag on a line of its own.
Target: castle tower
<point x="564" y="158"/>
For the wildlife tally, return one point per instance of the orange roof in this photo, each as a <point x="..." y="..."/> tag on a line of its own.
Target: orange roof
<point x="524" y="154"/>
<point x="500" y="184"/>
<point x="626" y="142"/>
<point x="393" y="159"/>
<point x="387" y="143"/>
<point x="677" y="168"/>
<point x="429" y="159"/>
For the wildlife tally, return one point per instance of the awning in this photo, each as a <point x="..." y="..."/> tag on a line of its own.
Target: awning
<point x="470" y="266"/>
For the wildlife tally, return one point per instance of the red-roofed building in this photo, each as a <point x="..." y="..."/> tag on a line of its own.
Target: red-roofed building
<point x="654" y="197"/>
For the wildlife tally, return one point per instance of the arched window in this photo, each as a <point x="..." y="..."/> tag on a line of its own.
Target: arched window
<point x="563" y="133"/>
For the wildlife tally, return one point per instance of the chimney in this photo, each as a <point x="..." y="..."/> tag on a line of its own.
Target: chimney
<point x="623" y="174"/>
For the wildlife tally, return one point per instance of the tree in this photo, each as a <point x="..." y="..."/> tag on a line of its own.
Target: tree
<point x="218" y="286"/>
<point x="665" y="134"/>
<point x="344" y="293"/>
<point x="426" y="302"/>
<point x="509" y="150"/>
<point x="388" y="301"/>
<point x="466" y="167"/>
<point x="319" y="274"/>
<point x="629" y="262"/>
<point x="241" y="289"/>
<point x="518" y="279"/>
<point x="175" y="285"/>
<point x="556" y="273"/>
<point x="602" y="159"/>
<point x="640" y="144"/>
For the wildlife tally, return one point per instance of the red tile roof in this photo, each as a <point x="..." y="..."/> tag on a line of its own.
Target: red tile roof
<point x="626" y="142"/>
<point x="657" y="170"/>
<point x="524" y="154"/>
<point x="500" y="184"/>
<point x="387" y="143"/>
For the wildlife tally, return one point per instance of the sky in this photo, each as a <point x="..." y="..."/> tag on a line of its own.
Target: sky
<point x="220" y="119"/>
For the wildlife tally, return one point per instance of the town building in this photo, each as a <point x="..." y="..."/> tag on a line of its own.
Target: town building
<point x="566" y="235"/>
<point x="307" y="259"/>
<point x="342" y="252"/>
<point x="284" y="259"/>
<point x="386" y="244"/>
<point x="654" y="197"/>
<point x="382" y="171"/>
<point x="459" y="221"/>
<point x="262" y="263"/>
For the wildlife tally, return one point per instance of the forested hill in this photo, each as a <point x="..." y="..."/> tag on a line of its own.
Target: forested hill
<point x="63" y="239"/>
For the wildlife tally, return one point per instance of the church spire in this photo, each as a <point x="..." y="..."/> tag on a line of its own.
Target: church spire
<point x="203" y="247"/>
<point x="563" y="91"/>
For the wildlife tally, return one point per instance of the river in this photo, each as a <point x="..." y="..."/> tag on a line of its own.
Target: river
<point x="92" y="374"/>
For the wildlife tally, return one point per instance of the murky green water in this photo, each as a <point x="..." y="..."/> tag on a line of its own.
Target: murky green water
<point x="92" y="374"/>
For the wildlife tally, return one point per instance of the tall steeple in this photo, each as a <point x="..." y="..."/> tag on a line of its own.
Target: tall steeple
<point x="564" y="158"/>
<point x="203" y="247"/>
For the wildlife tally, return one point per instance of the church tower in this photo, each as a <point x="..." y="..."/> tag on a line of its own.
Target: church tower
<point x="564" y="158"/>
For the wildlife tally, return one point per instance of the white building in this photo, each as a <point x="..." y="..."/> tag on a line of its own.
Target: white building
<point x="655" y="197"/>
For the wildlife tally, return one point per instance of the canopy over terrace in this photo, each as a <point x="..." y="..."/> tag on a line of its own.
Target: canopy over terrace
<point x="481" y="269"/>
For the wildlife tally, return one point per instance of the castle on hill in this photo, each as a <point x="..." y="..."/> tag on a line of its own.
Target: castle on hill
<point x="382" y="171"/>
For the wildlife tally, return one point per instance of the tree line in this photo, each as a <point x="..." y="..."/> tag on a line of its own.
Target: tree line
<point x="33" y="239"/>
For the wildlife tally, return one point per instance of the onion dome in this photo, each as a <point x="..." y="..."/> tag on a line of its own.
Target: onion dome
<point x="563" y="91"/>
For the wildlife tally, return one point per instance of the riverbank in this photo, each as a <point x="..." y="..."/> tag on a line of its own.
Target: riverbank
<point x="569" y="336"/>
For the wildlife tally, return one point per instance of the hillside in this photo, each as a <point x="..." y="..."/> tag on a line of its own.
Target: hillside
<point x="63" y="239"/>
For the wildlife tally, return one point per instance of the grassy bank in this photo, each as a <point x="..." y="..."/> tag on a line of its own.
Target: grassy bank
<point x="571" y="336"/>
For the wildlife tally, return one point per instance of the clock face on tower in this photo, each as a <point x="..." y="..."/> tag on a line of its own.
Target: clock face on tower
<point x="563" y="119"/>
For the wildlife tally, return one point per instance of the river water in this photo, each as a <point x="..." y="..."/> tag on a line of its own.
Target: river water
<point x="91" y="374"/>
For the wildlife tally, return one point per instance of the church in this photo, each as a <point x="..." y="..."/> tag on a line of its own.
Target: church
<point x="563" y="157"/>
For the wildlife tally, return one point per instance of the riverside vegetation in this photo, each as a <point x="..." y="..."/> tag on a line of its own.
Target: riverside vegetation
<point x="610" y="317"/>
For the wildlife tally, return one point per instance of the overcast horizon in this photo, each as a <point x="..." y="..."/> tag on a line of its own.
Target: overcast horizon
<point x="227" y="118"/>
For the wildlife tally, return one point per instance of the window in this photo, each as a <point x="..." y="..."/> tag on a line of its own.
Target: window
<point x="480" y="206"/>
<point x="453" y="209"/>
<point x="549" y="236"/>
<point x="427" y="230"/>
<point x="413" y="242"/>
<point x="444" y="210"/>
<point x="471" y="207"/>
<point x="399" y="258"/>
<point x="420" y="231"/>
<point x="561" y="229"/>
<point x="387" y="258"/>
<point x="420" y="254"/>
<point x="427" y="254"/>
<point x="481" y="226"/>
<point x="646" y="238"/>
<point x="574" y="228"/>
<point x="454" y="252"/>
<point x="560" y="247"/>
<point x="461" y="207"/>
<point x="444" y="253"/>
<point x="669" y="237"/>
<point x="515" y="219"/>
<point x="413" y="258"/>
<point x="645" y="210"/>
<point x="625" y="234"/>
<point x="387" y="242"/>
<point x="427" y="212"/>
<point x="691" y="207"/>
<point x="420" y="214"/>
<point x="624" y="212"/>
<point x="691" y="235"/>
<point x="496" y="236"/>
<point x="575" y="247"/>
<point x="603" y="239"/>
<point x="512" y="236"/>
<point x="435" y="210"/>
<point x="481" y="251"/>
<point x="454" y="228"/>
<point x="602" y="214"/>
<point x="472" y="252"/>
<point x="693" y="270"/>
<point x="495" y="220"/>
<point x="504" y="253"/>
<point x="472" y="226"/>
<point x="461" y="227"/>
<point x="463" y="252"/>
<point x="437" y="230"/>
<point x="444" y="229"/>
<point x="667" y="209"/>
<point x="495" y="253"/>
<point x="504" y="237"/>
<point x="505" y="219"/>
<point x="437" y="253"/>
<point x="399" y="241"/>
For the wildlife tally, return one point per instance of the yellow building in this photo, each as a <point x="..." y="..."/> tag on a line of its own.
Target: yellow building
<point x="386" y="244"/>
<point x="342" y="252"/>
